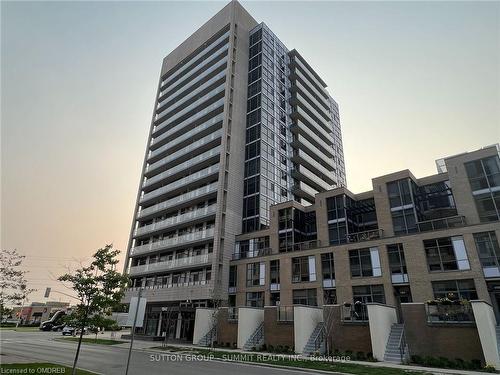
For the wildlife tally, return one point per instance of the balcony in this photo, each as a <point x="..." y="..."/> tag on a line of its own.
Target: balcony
<point x="191" y="62"/>
<point x="300" y="128"/>
<point x="299" y="246"/>
<point x="187" y="151"/>
<point x="304" y="174"/>
<point x="302" y="143"/>
<point x="187" y="262"/>
<point x="443" y="223"/>
<point x="172" y="222"/>
<point x="303" y="158"/>
<point x="186" y="136"/>
<point x="366" y="235"/>
<point x="449" y="312"/>
<point x="356" y="312"/>
<point x="304" y="191"/>
<point x="232" y="314"/>
<point x="219" y="104"/>
<point x="284" y="314"/>
<point x="311" y="76"/>
<point x="199" y="176"/>
<point x="317" y="129"/>
<point x="200" y="161"/>
<point x="174" y="242"/>
<point x="187" y="95"/>
<point x="302" y="73"/>
<point x="193" y="107"/>
<point x="179" y="200"/>
<point x="252" y="254"/>
<point x="320" y="109"/>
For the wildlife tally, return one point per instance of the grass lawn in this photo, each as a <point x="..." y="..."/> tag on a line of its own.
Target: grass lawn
<point x="39" y="367"/>
<point x="345" y="367"/>
<point x="88" y="340"/>
<point x="20" y="329"/>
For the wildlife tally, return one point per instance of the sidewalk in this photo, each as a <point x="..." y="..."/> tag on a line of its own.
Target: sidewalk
<point x="438" y="371"/>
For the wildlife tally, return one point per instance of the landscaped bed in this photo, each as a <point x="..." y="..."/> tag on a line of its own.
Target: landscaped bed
<point x="88" y="340"/>
<point x="41" y="368"/>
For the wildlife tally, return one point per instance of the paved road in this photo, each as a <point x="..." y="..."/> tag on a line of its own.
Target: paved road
<point x="110" y="360"/>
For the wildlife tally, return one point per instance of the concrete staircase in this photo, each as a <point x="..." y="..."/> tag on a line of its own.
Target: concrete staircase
<point x="316" y="342"/>
<point x="256" y="339"/>
<point x="209" y="337"/>
<point x="392" y="349"/>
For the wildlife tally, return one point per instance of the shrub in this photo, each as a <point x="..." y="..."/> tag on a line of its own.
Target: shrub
<point x="263" y="347"/>
<point x="360" y="356"/>
<point x="476" y="364"/>
<point x="489" y="368"/>
<point x="270" y="348"/>
<point x="279" y="349"/>
<point x="235" y="346"/>
<point x="286" y="349"/>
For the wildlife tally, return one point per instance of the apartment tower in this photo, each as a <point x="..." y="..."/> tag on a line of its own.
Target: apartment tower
<point x="240" y="123"/>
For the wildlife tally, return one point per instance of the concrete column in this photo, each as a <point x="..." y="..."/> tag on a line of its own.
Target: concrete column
<point x="249" y="319"/>
<point x="380" y="318"/>
<point x="178" y="326"/>
<point x="306" y="318"/>
<point x="202" y="323"/>
<point x="486" y="328"/>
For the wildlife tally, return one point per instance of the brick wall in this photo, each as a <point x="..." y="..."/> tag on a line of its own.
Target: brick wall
<point x="227" y="330"/>
<point x="277" y="333"/>
<point x="439" y="340"/>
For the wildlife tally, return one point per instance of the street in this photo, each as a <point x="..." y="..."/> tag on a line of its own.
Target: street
<point x="111" y="360"/>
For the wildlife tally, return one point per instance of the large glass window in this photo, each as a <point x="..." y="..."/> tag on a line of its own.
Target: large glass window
<point x="397" y="263"/>
<point x="368" y="293"/>
<point x="365" y="262"/>
<point x="233" y="276"/>
<point x="255" y="299"/>
<point x="402" y="206"/>
<point x="484" y="179"/>
<point x="306" y="297"/>
<point x="337" y="229"/>
<point x="303" y="269"/>
<point x="455" y="289"/>
<point x="489" y="253"/>
<point x="274" y="272"/>
<point x="328" y="270"/>
<point x="446" y="254"/>
<point x="256" y="274"/>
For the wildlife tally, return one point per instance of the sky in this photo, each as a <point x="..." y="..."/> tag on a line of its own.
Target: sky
<point x="415" y="81"/>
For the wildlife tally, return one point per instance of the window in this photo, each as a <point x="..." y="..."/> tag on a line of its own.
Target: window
<point x="402" y="207"/>
<point x="275" y="299"/>
<point x="329" y="296"/>
<point x="274" y="273"/>
<point x="256" y="273"/>
<point x="455" y="289"/>
<point x="484" y="179"/>
<point x="255" y="299"/>
<point x="305" y="297"/>
<point x="365" y="262"/>
<point x="368" y="293"/>
<point x="328" y="270"/>
<point x="489" y="253"/>
<point x="337" y="230"/>
<point x="397" y="264"/>
<point x="303" y="269"/>
<point x="446" y="254"/>
<point x="233" y="276"/>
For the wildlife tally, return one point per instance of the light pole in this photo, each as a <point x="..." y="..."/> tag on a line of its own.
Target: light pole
<point x="133" y="329"/>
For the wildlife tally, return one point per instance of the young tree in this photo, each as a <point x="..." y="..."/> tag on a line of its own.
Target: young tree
<point x="13" y="284"/>
<point x="99" y="288"/>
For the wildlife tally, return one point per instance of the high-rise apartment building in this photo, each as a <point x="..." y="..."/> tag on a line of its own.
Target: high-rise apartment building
<point x="240" y="123"/>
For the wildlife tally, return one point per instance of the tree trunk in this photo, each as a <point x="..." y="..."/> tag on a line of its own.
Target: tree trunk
<point x="78" y="350"/>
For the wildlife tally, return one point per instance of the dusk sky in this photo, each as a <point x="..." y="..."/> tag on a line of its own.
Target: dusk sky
<point x="415" y="81"/>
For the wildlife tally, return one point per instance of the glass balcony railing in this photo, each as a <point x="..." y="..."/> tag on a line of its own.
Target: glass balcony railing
<point x="173" y="202"/>
<point x="183" y="166"/>
<point x="324" y="160"/>
<point x="167" y="120"/>
<point x="219" y="103"/>
<point x="449" y="312"/>
<point x="187" y="91"/>
<point x="183" y="240"/>
<point x="310" y="75"/>
<point x="213" y="169"/>
<point x="252" y="254"/>
<point x="196" y="260"/>
<point x="326" y="148"/>
<point x="311" y="178"/>
<point x="321" y="109"/>
<point x="442" y="223"/>
<point x="176" y="220"/>
<point x="367" y="235"/>
<point x="299" y="246"/>
<point x="185" y="151"/>
<point x="195" y="58"/>
<point x="310" y="86"/>
<point x="326" y="124"/>
<point x="313" y="165"/>
<point x="284" y="314"/>
<point x="313" y="125"/>
<point x="302" y="189"/>
<point x="186" y="136"/>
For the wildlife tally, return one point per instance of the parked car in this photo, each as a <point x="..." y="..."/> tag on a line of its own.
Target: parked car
<point x="67" y="330"/>
<point x="55" y="320"/>
<point x="58" y="328"/>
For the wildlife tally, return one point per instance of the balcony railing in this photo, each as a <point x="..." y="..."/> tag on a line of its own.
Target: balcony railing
<point x="284" y="314"/>
<point x="443" y="223"/>
<point x="367" y="235"/>
<point x="171" y="285"/>
<point x="354" y="312"/>
<point x="182" y="240"/>
<point x="252" y="254"/>
<point x="196" y="260"/>
<point x="176" y="220"/>
<point x="306" y="245"/>
<point x="169" y="203"/>
<point x="450" y="312"/>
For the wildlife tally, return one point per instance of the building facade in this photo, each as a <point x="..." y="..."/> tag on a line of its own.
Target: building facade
<point x="240" y="123"/>
<point x="407" y="240"/>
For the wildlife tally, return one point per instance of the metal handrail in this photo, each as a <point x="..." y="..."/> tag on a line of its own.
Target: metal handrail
<point x="366" y="235"/>
<point x="446" y="222"/>
<point x="402" y="345"/>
